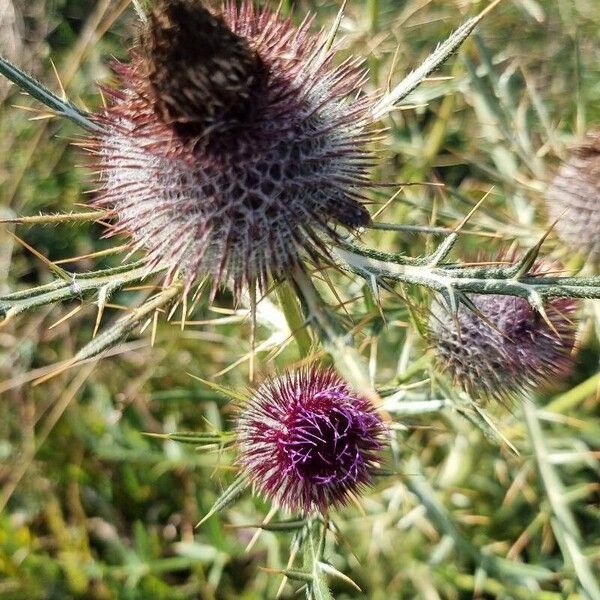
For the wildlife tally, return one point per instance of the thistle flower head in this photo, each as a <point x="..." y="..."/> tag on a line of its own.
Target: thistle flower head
<point x="573" y="198"/>
<point x="234" y="146"/>
<point x="307" y="441"/>
<point x="504" y="348"/>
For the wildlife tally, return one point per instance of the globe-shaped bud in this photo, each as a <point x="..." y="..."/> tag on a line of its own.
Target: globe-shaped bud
<point x="234" y="146"/>
<point x="307" y="441"/>
<point x="505" y="348"/>
<point x="573" y="198"/>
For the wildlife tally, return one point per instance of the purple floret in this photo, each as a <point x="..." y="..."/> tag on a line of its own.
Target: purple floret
<point x="307" y="441"/>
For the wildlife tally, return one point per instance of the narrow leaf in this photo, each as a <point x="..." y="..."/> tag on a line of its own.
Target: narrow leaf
<point x="433" y="61"/>
<point x="227" y="497"/>
<point x="196" y="439"/>
<point x="231" y="394"/>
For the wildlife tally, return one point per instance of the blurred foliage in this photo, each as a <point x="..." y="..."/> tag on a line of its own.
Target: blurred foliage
<point x="91" y="508"/>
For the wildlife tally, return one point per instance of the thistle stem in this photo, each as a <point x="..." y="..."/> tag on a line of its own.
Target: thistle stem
<point x="453" y="279"/>
<point x="34" y="88"/>
<point x="295" y="319"/>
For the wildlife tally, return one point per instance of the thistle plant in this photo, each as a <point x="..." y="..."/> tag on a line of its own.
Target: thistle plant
<point x="573" y="198"/>
<point x="239" y="149"/>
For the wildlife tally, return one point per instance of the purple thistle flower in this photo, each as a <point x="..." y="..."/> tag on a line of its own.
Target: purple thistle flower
<point x="307" y="441"/>
<point x="506" y="349"/>
<point x="573" y="198"/>
<point x="235" y="146"/>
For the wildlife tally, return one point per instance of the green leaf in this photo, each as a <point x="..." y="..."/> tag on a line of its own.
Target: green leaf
<point x="289" y="525"/>
<point x="196" y="439"/>
<point x="229" y="393"/>
<point x="297" y="575"/>
<point x="227" y="497"/>
<point x="431" y="63"/>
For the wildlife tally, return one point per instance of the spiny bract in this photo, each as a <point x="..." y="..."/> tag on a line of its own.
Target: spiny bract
<point x="506" y="349"/>
<point x="306" y="441"/>
<point x="234" y="146"/>
<point x="573" y="198"/>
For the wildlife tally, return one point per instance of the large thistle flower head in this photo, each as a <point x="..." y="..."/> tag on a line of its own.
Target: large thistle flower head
<point x="573" y="198"/>
<point x="307" y="441"/>
<point x="504" y="346"/>
<point x="234" y="146"/>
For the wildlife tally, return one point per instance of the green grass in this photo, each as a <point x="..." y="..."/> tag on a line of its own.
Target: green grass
<point x="506" y="507"/>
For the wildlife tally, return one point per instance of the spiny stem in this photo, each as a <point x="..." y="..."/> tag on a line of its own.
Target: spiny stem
<point x="454" y="279"/>
<point x="38" y="91"/>
<point x="55" y="219"/>
<point x="79" y="284"/>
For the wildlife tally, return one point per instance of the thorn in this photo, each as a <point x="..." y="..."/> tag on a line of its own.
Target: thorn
<point x="488" y="9"/>
<point x="544" y="315"/>
<point x="252" y="293"/>
<point x="56" y="372"/>
<point x="388" y="83"/>
<point x="491" y="424"/>
<point x="66" y="317"/>
<point x="103" y="99"/>
<point x="154" y="328"/>
<point x="64" y="275"/>
<point x="474" y="209"/>
<point x="525" y="265"/>
<point x="333" y="31"/>
<point x="184" y="310"/>
<point x="102" y="297"/>
<point x="272" y="512"/>
<point x="63" y="94"/>
<point x="98" y="254"/>
<point x="388" y="202"/>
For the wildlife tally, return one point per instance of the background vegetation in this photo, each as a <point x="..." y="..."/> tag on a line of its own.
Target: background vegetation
<point x="91" y="508"/>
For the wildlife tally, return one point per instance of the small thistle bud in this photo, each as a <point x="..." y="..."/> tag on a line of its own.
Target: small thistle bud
<point x="235" y="147"/>
<point x="306" y="441"/>
<point x="504" y="350"/>
<point x="573" y="198"/>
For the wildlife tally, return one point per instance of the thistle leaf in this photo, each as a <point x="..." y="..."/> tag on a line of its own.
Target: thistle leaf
<point x="228" y="393"/>
<point x="433" y="61"/>
<point x="227" y="497"/>
<point x="196" y="439"/>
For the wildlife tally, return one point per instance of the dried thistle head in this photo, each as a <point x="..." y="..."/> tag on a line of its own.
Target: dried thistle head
<point x="505" y="348"/>
<point x="307" y="441"/>
<point x="234" y="146"/>
<point x="573" y="198"/>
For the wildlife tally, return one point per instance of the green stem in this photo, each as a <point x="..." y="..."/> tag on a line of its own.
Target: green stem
<point x="454" y="279"/>
<point x="334" y="339"/>
<point x="60" y="290"/>
<point x="38" y="91"/>
<point x="575" y="396"/>
<point x="297" y="324"/>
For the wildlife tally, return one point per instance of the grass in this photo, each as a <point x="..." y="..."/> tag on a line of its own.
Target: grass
<point x="490" y="503"/>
